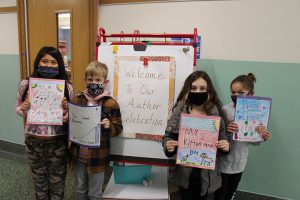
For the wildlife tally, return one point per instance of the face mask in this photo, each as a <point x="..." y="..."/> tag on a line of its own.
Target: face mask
<point x="95" y="89"/>
<point x="47" y="72"/>
<point x="233" y="98"/>
<point x="197" y="98"/>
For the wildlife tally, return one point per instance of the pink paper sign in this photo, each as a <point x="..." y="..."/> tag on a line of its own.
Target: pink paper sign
<point x="198" y="136"/>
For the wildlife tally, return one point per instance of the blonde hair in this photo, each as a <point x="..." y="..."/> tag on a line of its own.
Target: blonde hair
<point x="96" y="68"/>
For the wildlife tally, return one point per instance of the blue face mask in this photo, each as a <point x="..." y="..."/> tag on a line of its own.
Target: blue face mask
<point x="47" y="72"/>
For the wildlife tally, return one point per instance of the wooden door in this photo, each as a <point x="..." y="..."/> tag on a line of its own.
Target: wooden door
<point x="43" y="31"/>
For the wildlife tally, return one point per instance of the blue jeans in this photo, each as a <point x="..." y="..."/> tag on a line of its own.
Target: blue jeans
<point x="88" y="186"/>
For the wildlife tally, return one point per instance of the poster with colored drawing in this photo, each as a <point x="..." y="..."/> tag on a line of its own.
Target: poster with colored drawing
<point x="84" y="125"/>
<point x="145" y="94"/>
<point x="197" y="141"/>
<point x="251" y="115"/>
<point x="45" y="96"/>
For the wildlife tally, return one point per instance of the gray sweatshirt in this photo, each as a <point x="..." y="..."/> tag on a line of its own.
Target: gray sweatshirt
<point x="235" y="161"/>
<point x="210" y="179"/>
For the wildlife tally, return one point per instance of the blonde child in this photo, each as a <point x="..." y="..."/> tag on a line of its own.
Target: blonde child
<point x="233" y="165"/>
<point x="47" y="154"/>
<point x="89" y="163"/>
<point x="197" y="97"/>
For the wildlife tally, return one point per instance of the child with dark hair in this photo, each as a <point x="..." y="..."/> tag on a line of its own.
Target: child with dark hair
<point x="197" y="97"/>
<point x="233" y="165"/>
<point x="47" y="154"/>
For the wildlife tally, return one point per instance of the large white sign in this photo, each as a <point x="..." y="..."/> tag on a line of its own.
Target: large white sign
<point x="145" y="94"/>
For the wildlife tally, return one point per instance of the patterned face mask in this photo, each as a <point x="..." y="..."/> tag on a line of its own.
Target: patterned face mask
<point x="94" y="89"/>
<point x="47" y="72"/>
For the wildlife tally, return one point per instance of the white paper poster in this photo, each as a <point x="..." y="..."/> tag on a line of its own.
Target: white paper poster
<point x="252" y="113"/>
<point x="84" y="125"/>
<point x="145" y="94"/>
<point x="45" y="97"/>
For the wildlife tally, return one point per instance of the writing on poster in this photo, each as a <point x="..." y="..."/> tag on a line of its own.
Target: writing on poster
<point x="84" y="125"/>
<point x="251" y="115"/>
<point x="143" y="94"/>
<point x="198" y="136"/>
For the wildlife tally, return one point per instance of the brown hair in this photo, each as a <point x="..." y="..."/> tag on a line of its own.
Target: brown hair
<point x="246" y="80"/>
<point x="213" y="97"/>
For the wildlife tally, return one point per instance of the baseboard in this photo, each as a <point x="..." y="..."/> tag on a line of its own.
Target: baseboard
<point x="11" y="147"/>
<point x="241" y="194"/>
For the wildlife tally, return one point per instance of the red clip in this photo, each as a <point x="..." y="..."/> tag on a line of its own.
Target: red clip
<point x="145" y="62"/>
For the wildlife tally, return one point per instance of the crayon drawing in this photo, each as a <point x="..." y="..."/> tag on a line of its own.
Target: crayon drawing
<point x="252" y="113"/>
<point x="45" y="96"/>
<point x="197" y="140"/>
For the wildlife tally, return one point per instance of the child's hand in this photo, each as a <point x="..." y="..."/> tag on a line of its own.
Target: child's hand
<point x="66" y="118"/>
<point x="223" y="145"/>
<point x="25" y="106"/>
<point x="171" y="144"/>
<point x="65" y="103"/>
<point x="265" y="134"/>
<point x="232" y="127"/>
<point x="105" y="123"/>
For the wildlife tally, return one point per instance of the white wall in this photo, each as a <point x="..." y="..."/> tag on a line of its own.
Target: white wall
<point x="233" y="33"/>
<point x="255" y="30"/>
<point x="7" y="3"/>
<point x="9" y="33"/>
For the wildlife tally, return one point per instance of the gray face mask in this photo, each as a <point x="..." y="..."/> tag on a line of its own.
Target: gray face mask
<point x="95" y="89"/>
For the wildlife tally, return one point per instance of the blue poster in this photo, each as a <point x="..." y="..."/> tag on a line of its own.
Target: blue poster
<point x="252" y="113"/>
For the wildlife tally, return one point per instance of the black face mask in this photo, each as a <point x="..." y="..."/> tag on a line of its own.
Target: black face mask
<point x="94" y="89"/>
<point x="47" y="72"/>
<point x="233" y="98"/>
<point x="197" y="98"/>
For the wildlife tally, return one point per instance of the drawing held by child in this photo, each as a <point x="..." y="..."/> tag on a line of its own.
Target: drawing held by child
<point x="233" y="165"/>
<point x="46" y="145"/>
<point x="197" y="97"/>
<point x="89" y="164"/>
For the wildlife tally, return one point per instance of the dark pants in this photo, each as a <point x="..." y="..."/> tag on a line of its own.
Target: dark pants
<point x="229" y="186"/>
<point x="194" y="188"/>
<point x="48" y="163"/>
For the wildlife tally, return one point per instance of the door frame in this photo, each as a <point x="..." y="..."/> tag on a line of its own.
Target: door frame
<point x="21" y="9"/>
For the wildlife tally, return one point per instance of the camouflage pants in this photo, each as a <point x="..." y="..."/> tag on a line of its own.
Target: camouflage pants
<point x="48" y="163"/>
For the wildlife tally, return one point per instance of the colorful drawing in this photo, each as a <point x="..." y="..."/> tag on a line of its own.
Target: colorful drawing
<point x="251" y="115"/>
<point x="46" y="97"/>
<point x="84" y="125"/>
<point x="197" y="140"/>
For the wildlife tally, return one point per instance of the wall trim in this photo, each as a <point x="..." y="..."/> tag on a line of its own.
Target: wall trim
<point x="102" y="2"/>
<point x="8" y="9"/>
<point x="11" y="147"/>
